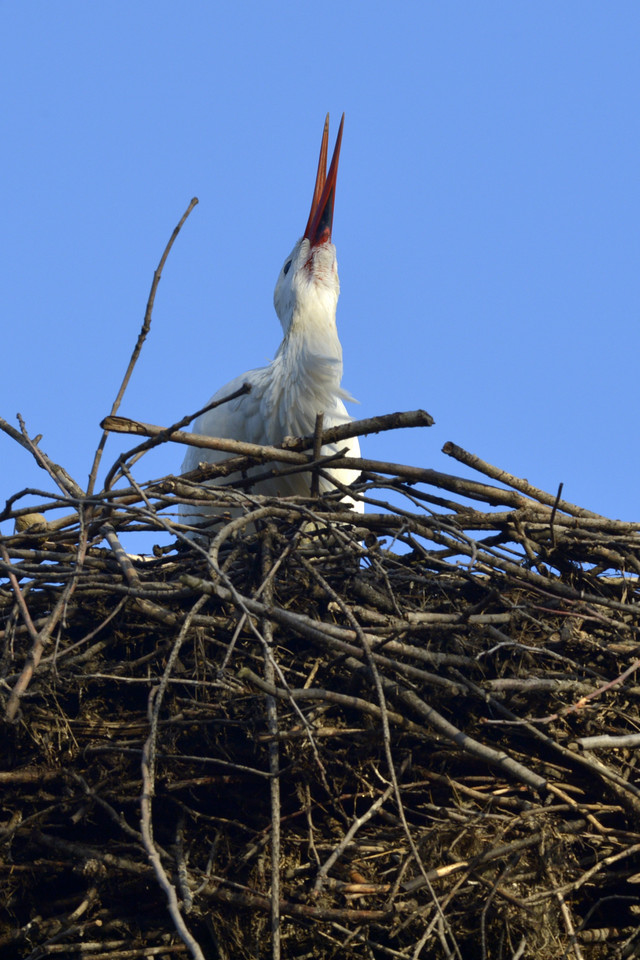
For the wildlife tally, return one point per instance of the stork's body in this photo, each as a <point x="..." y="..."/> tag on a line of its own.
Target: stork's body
<point x="304" y="378"/>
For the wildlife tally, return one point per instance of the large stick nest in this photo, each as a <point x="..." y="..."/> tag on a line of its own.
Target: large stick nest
<point x="409" y="733"/>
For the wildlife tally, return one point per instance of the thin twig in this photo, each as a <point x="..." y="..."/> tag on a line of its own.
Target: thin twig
<point x="553" y="514"/>
<point x="64" y="481"/>
<point x="471" y="460"/>
<point x="148" y="790"/>
<point x="274" y="753"/>
<point x="317" y="453"/>
<point x="146" y="326"/>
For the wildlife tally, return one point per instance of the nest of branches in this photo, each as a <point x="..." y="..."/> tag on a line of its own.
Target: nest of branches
<point x="408" y="733"/>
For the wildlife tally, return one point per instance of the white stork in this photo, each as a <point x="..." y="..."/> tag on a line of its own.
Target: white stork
<point x="304" y="377"/>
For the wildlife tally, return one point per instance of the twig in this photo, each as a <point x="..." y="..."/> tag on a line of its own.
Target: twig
<point x="146" y="325"/>
<point x="24" y="610"/>
<point x="259" y="452"/>
<point x="607" y="742"/>
<point x="148" y="790"/>
<point x="317" y="453"/>
<point x="328" y="696"/>
<point x="354" y="428"/>
<point x="274" y="753"/>
<point x="571" y="930"/>
<point x="553" y="514"/>
<point x="471" y="460"/>
<point x="65" y="482"/>
<point x="337" y="852"/>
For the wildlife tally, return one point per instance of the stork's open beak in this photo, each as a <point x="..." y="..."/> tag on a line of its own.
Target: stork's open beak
<point x="320" y="221"/>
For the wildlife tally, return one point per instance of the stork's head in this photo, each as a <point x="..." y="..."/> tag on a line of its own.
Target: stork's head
<point x="308" y="285"/>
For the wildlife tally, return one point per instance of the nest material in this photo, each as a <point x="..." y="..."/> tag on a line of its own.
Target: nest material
<point x="412" y="733"/>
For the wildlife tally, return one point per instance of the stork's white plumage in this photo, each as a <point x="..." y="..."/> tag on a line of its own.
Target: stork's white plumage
<point x="304" y="378"/>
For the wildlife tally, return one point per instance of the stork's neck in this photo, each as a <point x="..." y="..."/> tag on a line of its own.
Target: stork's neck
<point x="313" y="333"/>
<point x="307" y="371"/>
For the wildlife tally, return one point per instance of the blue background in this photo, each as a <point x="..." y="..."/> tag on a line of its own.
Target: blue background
<point x="487" y="221"/>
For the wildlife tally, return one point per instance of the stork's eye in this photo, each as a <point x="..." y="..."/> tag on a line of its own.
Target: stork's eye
<point x="285" y="269"/>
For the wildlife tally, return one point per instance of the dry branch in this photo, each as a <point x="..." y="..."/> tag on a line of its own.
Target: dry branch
<point x="142" y="336"/>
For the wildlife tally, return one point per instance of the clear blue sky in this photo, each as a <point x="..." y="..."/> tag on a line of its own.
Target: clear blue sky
<point x="487" y="220"/>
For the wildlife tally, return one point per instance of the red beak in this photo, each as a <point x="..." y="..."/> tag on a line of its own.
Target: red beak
<point x="320" y="221"/>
